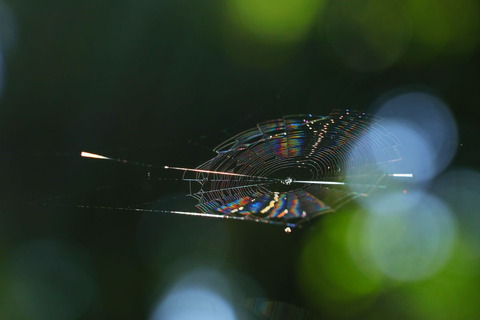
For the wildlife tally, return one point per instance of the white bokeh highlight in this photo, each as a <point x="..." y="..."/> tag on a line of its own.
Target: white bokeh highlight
<point x="407" y="237"/>
<point x="200" y="295"/>
<point x="425" y="128"/>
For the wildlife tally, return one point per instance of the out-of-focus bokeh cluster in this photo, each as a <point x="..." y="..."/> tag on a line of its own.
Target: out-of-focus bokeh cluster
<point x="164" y="82"/>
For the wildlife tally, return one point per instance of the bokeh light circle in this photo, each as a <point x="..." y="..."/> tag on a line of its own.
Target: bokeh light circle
<point x="328" y="274"/>
<point x="425" y="127"/>
<point x="408" y="237"/>
<point x="197" y="295"/>
<point x="273" y="21"/>
<point x="367" y="36"/>
<point x="443" y="28"/>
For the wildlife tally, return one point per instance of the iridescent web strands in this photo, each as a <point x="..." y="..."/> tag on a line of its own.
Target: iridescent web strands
<point x="290" y="170"/>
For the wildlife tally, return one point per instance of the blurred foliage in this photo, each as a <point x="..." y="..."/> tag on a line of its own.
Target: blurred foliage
<point x="443" y="28"/>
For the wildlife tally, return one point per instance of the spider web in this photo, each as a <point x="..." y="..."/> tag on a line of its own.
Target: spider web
<point x="289" y="171"/>
<point x="293" y="169"/>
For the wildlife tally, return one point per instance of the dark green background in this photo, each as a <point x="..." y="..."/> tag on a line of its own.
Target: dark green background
<point x="156" y="82"/>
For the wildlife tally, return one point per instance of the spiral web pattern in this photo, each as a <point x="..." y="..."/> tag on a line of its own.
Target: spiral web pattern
<point x="293" y="169"/>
